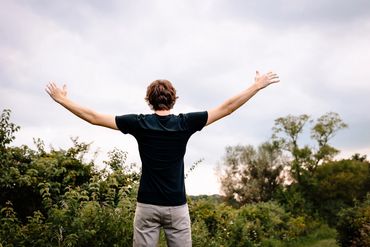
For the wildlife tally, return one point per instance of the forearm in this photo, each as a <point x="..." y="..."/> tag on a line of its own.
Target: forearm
<point x="240" y="99"/>
<point x="59" y="95"/>
<point x="80" y="111"/>
<point x="230" y="105"/>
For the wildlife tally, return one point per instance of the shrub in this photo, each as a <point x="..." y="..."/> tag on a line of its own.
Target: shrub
<point x="354" y="225"/>
<point x="338" y="184"/>
<point x="259" y="224"/>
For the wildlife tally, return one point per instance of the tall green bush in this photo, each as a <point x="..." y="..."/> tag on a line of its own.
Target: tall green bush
<point x="354" y="225"/>
<point x="259" y="224"/>
<point x="337" y="185"/>
<point x="56" y="198"/>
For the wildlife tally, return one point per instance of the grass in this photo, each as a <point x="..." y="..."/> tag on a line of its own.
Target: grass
<point x="322" y="237"/>
<point x="325" y="243"/>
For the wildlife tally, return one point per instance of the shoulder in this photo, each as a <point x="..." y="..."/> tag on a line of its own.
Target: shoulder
<point x="197" y="114"/>
<point x="133" y="116"/>
<point x="126" y="117"/>
<point x="195" y="120"/>
<point x="128" y="122"/>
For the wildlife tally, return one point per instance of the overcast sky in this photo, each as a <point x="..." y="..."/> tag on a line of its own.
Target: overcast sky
<point x="107" y="52"/>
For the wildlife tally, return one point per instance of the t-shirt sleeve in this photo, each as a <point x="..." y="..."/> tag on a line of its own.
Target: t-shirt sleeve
<point x="196" y="120"/>
<point x="127" y="124"/>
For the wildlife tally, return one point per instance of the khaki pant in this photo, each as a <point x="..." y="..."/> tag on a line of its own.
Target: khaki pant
<point x="149" y="219"/>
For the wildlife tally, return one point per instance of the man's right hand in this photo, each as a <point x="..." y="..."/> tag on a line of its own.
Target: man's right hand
<point x="230" y="105"/>
<point x="264" y="80"/>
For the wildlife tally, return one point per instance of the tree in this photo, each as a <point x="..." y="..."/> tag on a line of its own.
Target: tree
<point x="7" y="129"/>
<point x="337" y="185"/>
<point x="359" y="157"/>
<point x="325" y="129"/>
<point x="251" y="175"/>
<point x="306" y="159"/>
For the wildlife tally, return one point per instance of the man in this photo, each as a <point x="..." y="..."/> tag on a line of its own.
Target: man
<point x="162" y="139"/>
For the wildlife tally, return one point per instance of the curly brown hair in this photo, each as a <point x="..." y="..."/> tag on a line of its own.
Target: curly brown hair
<point x="161" y="95"/>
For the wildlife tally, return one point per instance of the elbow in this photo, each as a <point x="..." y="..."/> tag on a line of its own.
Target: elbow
<point x="224" y="111"/>
<point x="93" y="122"/>
<point x="228" y="110"/>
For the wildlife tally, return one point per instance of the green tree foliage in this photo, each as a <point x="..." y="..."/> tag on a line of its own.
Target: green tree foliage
<point x="251" y="175"/>
<point x="258" y="224"/>
<point x="354" y="225"/>
<point x="285" y="134"/>
<point x="339" y="184"/>
<point x="325" y="129"/>
<point x="359" y="157"/>
<point x="40" y="178"/>
<point x="306" y="159"/>
<point x="55" y="198"/>
<point x="7" y="129"/>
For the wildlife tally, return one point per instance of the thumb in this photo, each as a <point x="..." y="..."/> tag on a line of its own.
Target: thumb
<point x="257" y="73"/>
<point x="64" y="87"/>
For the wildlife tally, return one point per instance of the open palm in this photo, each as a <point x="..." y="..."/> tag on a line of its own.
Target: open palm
<point x="55" y="92"/>
<point x="265" y="79"/>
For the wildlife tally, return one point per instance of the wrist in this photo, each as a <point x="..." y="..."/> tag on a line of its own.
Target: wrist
<point x="256" y="86"/>
<point x="61" y="100"/>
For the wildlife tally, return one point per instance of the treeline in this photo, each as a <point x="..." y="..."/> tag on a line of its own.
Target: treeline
<point x="275" y="195"/>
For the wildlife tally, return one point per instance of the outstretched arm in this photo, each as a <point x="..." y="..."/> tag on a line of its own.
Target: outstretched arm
<point x="93" y="117"/>
<point x="230" y="105"/>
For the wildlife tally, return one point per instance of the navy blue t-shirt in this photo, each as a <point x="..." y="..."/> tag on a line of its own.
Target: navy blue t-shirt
<point x="162" y="145"/>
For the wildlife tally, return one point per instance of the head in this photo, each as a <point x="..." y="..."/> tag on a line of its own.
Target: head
<point x="161" y="95"/>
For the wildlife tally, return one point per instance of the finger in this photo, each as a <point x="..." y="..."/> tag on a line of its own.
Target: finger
<point x="64" y="87"/>
<point x="50" y="88"/>
<point x="274" y="81"/>
<point x="47" y="91"/>
<point x="50" y="85"/>
<point x="257" y="73"/>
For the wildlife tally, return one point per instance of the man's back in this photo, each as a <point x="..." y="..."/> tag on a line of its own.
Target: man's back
<point x="162" y="144"/>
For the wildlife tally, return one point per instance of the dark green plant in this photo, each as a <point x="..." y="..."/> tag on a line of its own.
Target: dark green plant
<point x="56" y="198"/>
<point x="7" y="129"/>
<point x="337" y="185"/>
<point x="353" y="225"/>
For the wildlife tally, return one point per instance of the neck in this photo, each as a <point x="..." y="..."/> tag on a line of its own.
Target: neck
<point x="162" y="112"/>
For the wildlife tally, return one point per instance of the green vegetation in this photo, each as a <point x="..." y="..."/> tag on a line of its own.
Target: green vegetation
<point x="354" y="225"/>
<point x="58" y="198"/>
